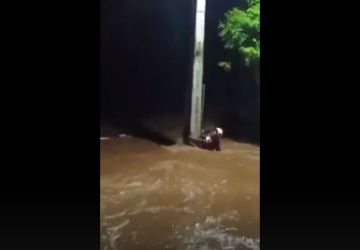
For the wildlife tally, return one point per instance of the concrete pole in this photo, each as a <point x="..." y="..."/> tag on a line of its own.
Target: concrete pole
<point x="197" y="81"/>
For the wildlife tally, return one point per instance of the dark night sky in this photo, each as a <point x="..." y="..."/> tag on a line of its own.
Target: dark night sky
<point x="146" y="60"/>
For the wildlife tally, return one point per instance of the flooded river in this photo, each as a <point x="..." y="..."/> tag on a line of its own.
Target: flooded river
<point x="178" y="197"/>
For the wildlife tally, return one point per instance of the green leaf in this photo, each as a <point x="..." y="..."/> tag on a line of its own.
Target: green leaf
<point x="225" y="65"/>
<point x="240" y="31"/>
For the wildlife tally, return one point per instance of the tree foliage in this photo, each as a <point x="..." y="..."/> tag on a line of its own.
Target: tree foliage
<point x="240" y="31"/>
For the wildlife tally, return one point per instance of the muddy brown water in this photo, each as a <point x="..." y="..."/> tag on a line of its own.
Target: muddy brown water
<point x="178" y="197"/>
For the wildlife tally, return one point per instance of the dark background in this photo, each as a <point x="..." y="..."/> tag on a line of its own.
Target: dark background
<point x="50" y="126"/>
<point x="146" y="66"/>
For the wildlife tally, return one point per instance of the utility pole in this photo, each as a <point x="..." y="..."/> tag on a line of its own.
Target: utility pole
<point x="197" y="81"/>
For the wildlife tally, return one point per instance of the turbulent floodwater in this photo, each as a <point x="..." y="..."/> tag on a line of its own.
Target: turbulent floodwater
<point x="178" y="197"/>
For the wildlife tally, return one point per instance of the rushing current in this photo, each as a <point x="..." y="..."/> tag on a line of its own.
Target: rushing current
<point x="178" y="197"/>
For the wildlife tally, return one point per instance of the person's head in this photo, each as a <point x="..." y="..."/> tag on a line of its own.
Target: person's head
<point x="220" y="131"/>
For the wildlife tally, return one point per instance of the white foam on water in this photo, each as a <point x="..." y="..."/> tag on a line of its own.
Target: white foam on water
<point x="112" y="234"/>
<point x="115" y="229"/>
<point x="211" y="234"/>
<point x="115" y="216"/>
<point x="190" y="190"/>
<point x="134" y="184"/>
<point x="160" y="209"/>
